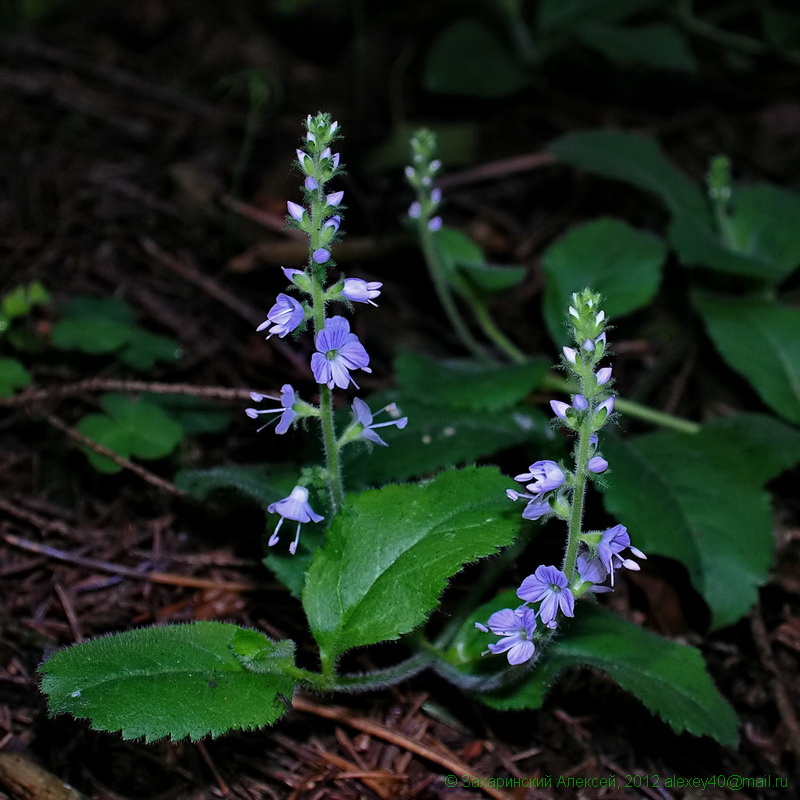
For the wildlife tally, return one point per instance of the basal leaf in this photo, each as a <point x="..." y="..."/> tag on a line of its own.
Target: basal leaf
<point x="467" y="384"/>
<point x="670" y="679"/>
<point x="387" y="557"/>
<point x="760" y="340"/>
<point x="468" y="58"/>
<point x="144" y="349"/>
<point x="618" y="261"/>
<point x="177" y="681"/>
<point x="695" y="499"/>
<point x="635" y="160"/>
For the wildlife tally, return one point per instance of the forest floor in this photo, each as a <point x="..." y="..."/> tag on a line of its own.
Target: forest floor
<point x="123" y="125"/>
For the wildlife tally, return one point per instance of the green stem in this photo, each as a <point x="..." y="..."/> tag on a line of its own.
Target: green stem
<point x="578" y="494"/>
<point x="380" y="679"/>
<point x="439" y="278"/>
<point x="631" y="408"/>
<point x="492" y="332"/>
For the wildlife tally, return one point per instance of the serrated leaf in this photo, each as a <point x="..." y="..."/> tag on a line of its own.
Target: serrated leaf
<point x="468" y="58"/>
<point x="387" y="557"/>
<point x="467" y="384"/>
<point x="670" y="679"/>
<point x="659" y="45"/>
<point x="635" y="160"/>
<point x="621" y="263"/>
<point x="132" y="428"/>
<point x="438" y="436"/>
<point x="695" y="499"/>
<point x="760" y="340"/>
<point x="13" y="376"/>
<point x="762" y="225"/>
<point x="177" y="681"/>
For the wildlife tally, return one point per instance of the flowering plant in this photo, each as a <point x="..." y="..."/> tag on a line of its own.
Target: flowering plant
<point x="388" y="551"/>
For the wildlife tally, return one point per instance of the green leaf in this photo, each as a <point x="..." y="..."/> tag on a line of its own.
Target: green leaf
<point x="635" y="160"/>
<point x="440" y="436"/>
<point x="13" y="376"/>
<point x="467" y="384"/>
<point x="699" y="499"/>
<point x="144" y="349"/>
<point x="387" y="557"/>
<point x="670" y="679"/>
<point x="616" y="260"/>
<point x="467" y="58"/>
<point x="132" y="428"/>
<point x="21" y="300"/>
<point x="570" y="14"/>
<point x="659" y="45"/>
<point x="761" y="341"/>
<point x="107" y="325"/>
<point x="177" y="681"/>
<point x="464" y="260"/>
<point x="763" y="242"/>
<point x="195" y="415"/>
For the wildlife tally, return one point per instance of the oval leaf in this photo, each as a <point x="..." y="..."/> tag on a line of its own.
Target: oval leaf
<point x="388" y="555"/>
<point x="177" y="681"/>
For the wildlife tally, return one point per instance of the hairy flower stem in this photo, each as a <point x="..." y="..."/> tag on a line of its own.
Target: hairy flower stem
<point x="332" y="460"/>
<point x="582" y="452"/>
<point x="437" y="272"/>
<point x="492" y="332"/>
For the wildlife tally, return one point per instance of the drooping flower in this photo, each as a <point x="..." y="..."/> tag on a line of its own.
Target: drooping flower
<point x="284" y="316"/>
<point x="296" y="508"/>
<point x="613" y="542"/>
<point x="361" y="291"/>
<point x="591" y="570"/>
<point x="516" y="628"/>
<point x="338" y="352"/>
<point x="364" y="417"/>
<point x="545" y="476"/>
<point x="536" y="508"/>
<point x="548" y="586"/>
<point x="288" y="414"/>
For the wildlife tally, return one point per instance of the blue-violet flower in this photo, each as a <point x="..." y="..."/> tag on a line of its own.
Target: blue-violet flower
<point x="364" y="417"/>
<point x="294" y="507"/>
<point x="286" y="411"/>
<point x="545" y="476"/>
<point x="548" y="585"/>
<point x="338" y="352"/>
<point x="284" y="316"/>
<point x="516" y="628"/>
<point x="361" y="291"/>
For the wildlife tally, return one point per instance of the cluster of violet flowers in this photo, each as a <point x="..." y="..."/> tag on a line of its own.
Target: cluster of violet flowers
<point x="338" y="351"/>
<point x="591" y="558"/>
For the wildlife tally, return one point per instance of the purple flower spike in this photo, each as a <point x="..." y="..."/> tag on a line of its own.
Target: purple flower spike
<point x="603" y="376"/>
<point x="295" y="211"/>
<point x="360" y="291"/>
<point x="545" y="476"/>
<point x="516" y="628"/>
<point x="364" y="417"/>
<point x="296" y="508"/>
<point x="286" y="409"/>
<point x="548" y="586"/>
<point x="284" y="316"/>
<point x="597" y="464"/>
<point x="559" y="408"/>
<point x="338" y="352"/>
<point x="334" y="199"/>
<point x="321" y="255"/>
